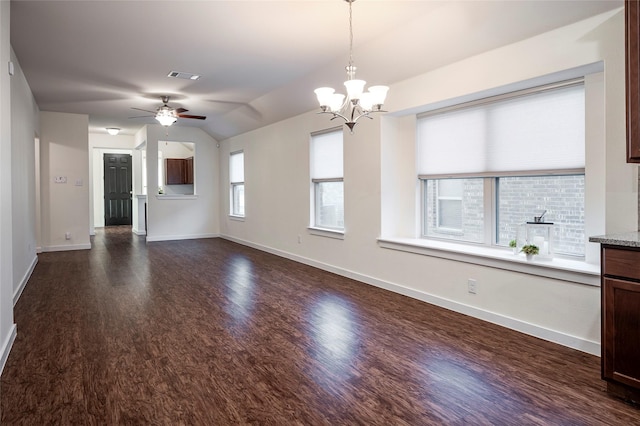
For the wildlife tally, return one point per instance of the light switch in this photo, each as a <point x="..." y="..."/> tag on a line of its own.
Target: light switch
<point x="78" y="182"/>
<point x="60" y="179"/>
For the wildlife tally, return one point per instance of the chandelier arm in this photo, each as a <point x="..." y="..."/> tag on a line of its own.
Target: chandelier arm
<point x="335" y="115"/>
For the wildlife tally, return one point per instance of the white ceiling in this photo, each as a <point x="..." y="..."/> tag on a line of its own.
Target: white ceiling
<point x="259" y="60"/>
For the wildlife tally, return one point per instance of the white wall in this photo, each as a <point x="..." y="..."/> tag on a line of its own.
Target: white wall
<point x="24" y="128"/>
<point x="7" y="327"/>
<point x="277" y="188"/>
<point x="64" y="144"/>
<point x="183" y="217"/>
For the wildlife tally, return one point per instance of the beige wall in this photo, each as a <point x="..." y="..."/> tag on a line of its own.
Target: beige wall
<point x="64" y="147"/>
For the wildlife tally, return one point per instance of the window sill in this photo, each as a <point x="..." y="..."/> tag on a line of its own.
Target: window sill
<point x="560" y="269"/>
<point x="324" y="232"/>
<point x="176" y="197"/>
<point x="236" y="217"/>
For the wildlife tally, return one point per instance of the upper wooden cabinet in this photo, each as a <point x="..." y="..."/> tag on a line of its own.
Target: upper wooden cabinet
<point x="632" y="46"/>
<point x="178" y="171"/>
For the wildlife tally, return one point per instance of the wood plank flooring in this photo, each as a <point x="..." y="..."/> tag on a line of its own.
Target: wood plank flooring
<point x="208" y="332"/>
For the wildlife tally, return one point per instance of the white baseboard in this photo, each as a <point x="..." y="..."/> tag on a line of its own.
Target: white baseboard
<point x="179" y="237"/>
<point x="18" y="291"/>
<point x="6" y="347"/>
<point x="563" y="339"/>
<point x="67" y="247"/>
<point x="137" y="232"/>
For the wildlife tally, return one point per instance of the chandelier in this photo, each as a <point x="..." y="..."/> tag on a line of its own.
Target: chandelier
<point x="358" y="103"/>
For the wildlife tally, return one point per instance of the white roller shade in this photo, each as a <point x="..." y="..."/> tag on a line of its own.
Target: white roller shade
<point x="539" y="131"/>
<point x="326" y="155"/>
<point x="236" y="167"/>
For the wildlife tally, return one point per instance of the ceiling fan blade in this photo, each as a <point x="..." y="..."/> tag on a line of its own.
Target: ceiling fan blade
<point x="197" y="117"/>
<point x="145" y="110"/>
<point x="143" y="116"/>
<point x="181" y="110"/>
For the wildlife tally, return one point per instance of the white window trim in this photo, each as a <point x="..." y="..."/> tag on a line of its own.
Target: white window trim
<point x="326" y="232"/>
<point x="176" y="197"/>
<point x="237" y="218"/>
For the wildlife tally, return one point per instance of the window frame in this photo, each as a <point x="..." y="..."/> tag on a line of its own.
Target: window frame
<point x="490" y="203"/>
<point x="317" y="205"/>
<point x="315" y="195"/>
<point x="234" y="185"/>
<point x="438" y="199"/>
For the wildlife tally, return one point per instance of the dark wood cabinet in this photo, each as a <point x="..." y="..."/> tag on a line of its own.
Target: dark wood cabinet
<point x="178" y="171"/>
<point x="632" y="50"/>
<point x="621" y="321"/>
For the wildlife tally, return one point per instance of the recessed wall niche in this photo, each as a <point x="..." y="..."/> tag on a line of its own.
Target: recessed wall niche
<point x="176" y="168"/>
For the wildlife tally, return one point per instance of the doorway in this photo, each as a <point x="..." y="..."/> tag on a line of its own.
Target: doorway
<point x="117" y="189"/>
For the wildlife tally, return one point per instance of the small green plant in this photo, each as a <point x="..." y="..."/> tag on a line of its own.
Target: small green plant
<point x="530" y="249"/>
<point x="512" y="243"/>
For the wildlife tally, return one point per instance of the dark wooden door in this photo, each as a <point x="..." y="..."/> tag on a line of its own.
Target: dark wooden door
<point x="117" y="189"/>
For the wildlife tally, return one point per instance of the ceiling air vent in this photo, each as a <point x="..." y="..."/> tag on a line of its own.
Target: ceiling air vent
<point x="183" y="75"/>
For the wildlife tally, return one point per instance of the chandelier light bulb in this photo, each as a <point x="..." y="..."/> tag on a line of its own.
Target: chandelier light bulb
<point x="354" y="89"/>
<point x="325" y="96"/>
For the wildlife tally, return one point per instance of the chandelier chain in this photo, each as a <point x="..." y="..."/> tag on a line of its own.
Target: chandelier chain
<point x="350" y="34"/>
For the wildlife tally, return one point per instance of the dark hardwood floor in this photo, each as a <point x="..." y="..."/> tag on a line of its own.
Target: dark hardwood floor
<point x="208" y="332"/>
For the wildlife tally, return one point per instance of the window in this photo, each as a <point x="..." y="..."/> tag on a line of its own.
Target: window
<point x="236" y="179"/>
<point x="327" y="180"/>
<point x="491" y="165"/>
<point x="454" y="209"/>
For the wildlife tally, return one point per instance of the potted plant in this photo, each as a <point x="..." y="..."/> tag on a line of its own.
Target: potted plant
<point x="514" y="246"/>
<point x="530" y="250"/>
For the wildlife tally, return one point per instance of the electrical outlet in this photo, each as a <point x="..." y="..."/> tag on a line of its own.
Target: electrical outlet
<point x="67" y="235"/>
<point x="299" y="239"/>
<point x="471" y="286"/>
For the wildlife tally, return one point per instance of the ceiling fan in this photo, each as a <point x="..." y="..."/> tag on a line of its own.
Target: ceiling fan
<point x="167" y="115"/>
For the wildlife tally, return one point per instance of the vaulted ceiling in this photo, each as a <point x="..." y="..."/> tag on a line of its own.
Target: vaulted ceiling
<point x="259" y="60"/>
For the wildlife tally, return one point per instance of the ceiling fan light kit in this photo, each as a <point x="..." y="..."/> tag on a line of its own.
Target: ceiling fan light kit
<point x="357" y="103"/>
<point x="167" y="115"/>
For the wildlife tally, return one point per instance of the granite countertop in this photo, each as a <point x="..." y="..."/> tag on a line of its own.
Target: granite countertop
<point x="626" y="239"/>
